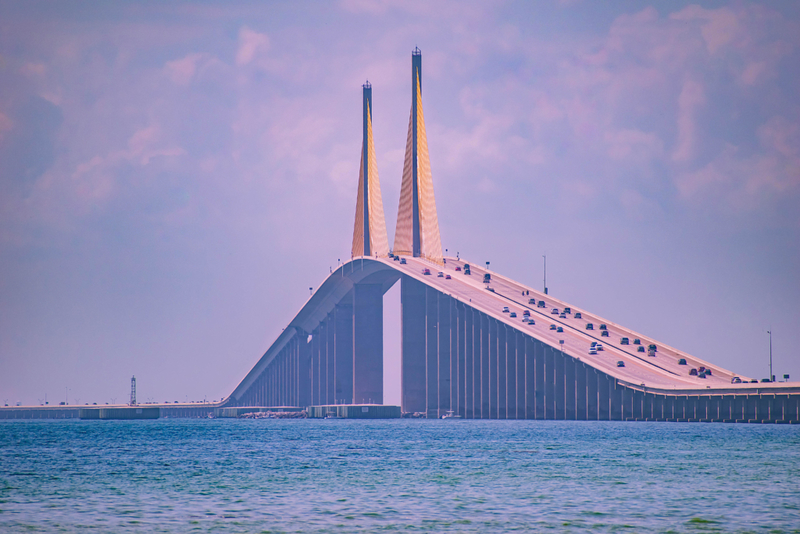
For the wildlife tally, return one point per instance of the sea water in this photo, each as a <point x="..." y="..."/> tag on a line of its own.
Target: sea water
<point x="272" y="475"/>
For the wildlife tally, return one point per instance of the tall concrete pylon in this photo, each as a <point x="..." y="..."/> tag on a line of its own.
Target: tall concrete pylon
<point x="417" y="231"/>
<point x="369" y="234"/>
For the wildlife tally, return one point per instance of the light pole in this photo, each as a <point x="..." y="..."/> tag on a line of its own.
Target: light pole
<point x="771" y="376"/>
<point x="545" y="273"/>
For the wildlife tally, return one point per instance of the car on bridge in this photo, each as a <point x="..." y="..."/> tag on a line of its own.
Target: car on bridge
<point x="599" y="346"/>
<point x="736" y="380"/>
<point x="402" y="261"/>
<point x="447" y="277"/>
<point x="513" y="314"/>
<point x="604" y="333"/>
<point x="620" y="364"/>
<point x="560" y="329"/>
<point x="487" y="278"/>
<point x="578" y="315"/>
<point x="426" y="272"/>
<point x="603" y="327"/>
<point x="555" y="311"/>
<point x="505" y="309"/>
<point x="637" y="341"/>
<point x="526" y="313"/>
<point x="640" y="349"/>
<point x="458" y="269"/>
<point x="395" y="258"/>
<point x="552" y="327"/>
<point x="589" y="326"/>
<point x="624" y="341"/>
<point x="592" y="350"/>
<point x="652" y="347"/>
<point x="568" y="310"/>
<point x="541" y="304"/>
<point x="440" y="274"/>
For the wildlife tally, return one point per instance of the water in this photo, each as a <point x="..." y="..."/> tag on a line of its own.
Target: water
<point x="397" y="475"/>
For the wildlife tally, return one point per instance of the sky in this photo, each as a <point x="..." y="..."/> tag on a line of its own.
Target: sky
<point x="174" y="177"/>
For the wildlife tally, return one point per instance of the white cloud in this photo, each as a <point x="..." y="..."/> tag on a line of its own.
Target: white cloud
<point x="250" y="44"/>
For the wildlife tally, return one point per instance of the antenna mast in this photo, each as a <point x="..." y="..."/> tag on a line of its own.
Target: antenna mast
<point x="133" y="391"/>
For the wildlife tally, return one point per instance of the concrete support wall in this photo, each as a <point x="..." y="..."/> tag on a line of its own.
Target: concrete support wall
<point x="343" y="351"/>
<point x="413" y="374"/>
<point x="368" y="344"/>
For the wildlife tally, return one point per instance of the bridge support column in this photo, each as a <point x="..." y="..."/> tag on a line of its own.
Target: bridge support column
<point x="539" y="389"/>
<point x="580" y="391"/>
<point x="469" y="363"/>
<point x="413" y="387"/>
<point x="368" y="343"/>
<point x="530" y="378"/>
<point x="569" y="388"/>
<point x="441" y="356"/>
<point x="520" y="374"/>
<point x="485" y="367"/>
<point x="343" y="351"/>
<point x="502" y="371"/>
<point x="591" y="394"/>
<point x="304" y="370"/>
<point x="550" y="383"/>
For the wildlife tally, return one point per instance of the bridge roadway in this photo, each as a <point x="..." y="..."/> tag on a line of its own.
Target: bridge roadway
<point x="321" y="358"/>
<point x="660" y="371"/>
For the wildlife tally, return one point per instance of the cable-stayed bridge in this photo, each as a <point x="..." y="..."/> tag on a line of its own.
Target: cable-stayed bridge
<point x="474" y="342"/>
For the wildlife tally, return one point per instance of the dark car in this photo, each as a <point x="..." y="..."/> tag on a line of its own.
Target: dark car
<point x="637" y="341"/>
<point x="541" y="304"/>
<point x="526" y="313"/>
<point x="682" y="361"/>
<point x="559" y="329"/>
<point x="426" y="272"/>
<point x="396" y="258"/>
<point x="487" y="278"/>
<point x="652" y="347"/>
<point x="603" y="327"/>
<point x="532" y="301"/>
<point x="589" y="326"/>
<point x="513" y="314"/>
<point x="692" y="372"/>
<point x="736" y="380"/>
<point x="624" y="341"/>
<point x="578" y="315"/>
<point x="620" y="364"/>
<point x="402" y="261"/>
<point x="447" y="277"/>
<point x="466" y="266"/>
<point x="554" y="311"/>
<point x="440" y="274"/>
<point x="568" y="310"/>
<point x="458" y="269"/>
<point x="552" y="327"/>
<point x="767" y="380"/>
<point x="640" y="349"/>
<point x="604" y="333"/>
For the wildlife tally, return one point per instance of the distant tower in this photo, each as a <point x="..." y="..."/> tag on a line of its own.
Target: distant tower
<point x="133" y="391"/>
<point x="369" y="234"/>
<point x="417" y="231"/>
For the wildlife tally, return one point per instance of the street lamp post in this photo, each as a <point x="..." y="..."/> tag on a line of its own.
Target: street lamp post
<point x="545" y="273"/>
<point x="771" y="376"/>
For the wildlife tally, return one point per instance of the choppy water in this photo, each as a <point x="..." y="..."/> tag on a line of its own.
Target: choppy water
<point x="398" y="475"/>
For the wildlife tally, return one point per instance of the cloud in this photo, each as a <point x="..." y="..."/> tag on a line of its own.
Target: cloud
<point x="691" y="98"/>
<point x="250" y="44"/>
